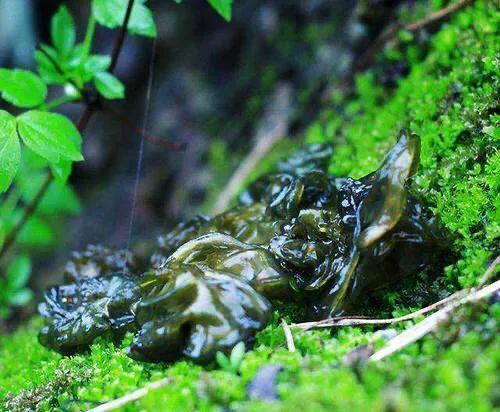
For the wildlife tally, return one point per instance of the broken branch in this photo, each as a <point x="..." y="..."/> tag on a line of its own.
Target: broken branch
<point x="132" y="396"/>
<point x="432" y="322"/>
<point x="288" y="336"/>
<point x="359" y="320"/>
<point x="273" y="127"/>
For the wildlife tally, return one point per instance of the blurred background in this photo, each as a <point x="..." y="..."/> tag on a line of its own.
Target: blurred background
<point x="217" y="86"/>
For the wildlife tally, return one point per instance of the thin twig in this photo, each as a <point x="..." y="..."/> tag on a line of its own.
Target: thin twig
<point x="58" y="67"/>
<point x="158" y="141"/>
<point x="132" y="396"/>
<point x="438" y="15"/>
<point x="364" y="60"/>
<point x="11" y="237"/>
<point x="272" y="127"/>
<point x="98" y="103"/>
<point x="358" y="320"/>
<point x="490" y="271"/>
<point x="432" y="322"/>
<point x="120" y="37"/>
<point x="288" y="336"/>
<point x="30" y="209"/>
<point x="392" y="31"/>
<point x="389" y="34"/>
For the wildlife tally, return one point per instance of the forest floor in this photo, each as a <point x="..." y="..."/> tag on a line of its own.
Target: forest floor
<point x="449" y="97"/>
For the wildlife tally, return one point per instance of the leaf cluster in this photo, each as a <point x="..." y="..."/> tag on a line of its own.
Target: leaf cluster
<point x="34" y="138"/>
<point x="232" y="362"/>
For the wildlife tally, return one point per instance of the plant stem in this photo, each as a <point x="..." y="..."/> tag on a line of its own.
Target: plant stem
<point x="10" y="202"/>
<point x="120" y="37"/>
<point x="59" y="101"/>
<point x="89" y="34"/>
<point x="30" y="209"/>
<point x="81" y="125"/>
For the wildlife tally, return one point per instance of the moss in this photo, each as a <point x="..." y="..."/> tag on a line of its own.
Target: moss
<point x="448" y="374"/>
<point x="449" y="98"/>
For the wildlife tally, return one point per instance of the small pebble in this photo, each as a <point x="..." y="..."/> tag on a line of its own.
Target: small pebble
<point x="263" y="385"/>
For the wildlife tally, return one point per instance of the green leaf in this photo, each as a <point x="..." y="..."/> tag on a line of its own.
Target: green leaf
<point x="222" y="360"/>
<point x="22" y="88"/>
<point x="142" y="22"/>
<point x="97" y="63"/>
<point x="58" y="199"/>
<point x="2" y="234"/>
<point x="62" y="30"/>
<point x="10" y="150"/>
<point x="492" y="131"/>
<point x="31" y="161"/>
<point x="35" y="233"/>
<point x="18" y="272"/>
<point x="61" y="170"/>
<point x="223" y="7"/>
<point x="237" y="355"/>
<point x="74" y="66"/>
<point x="76" y="58"/>
<point x="109" y="86"/>
<point x="51" y="135"/>
<point x="48" y="72"/>
<point x="111" y="13"/>
<point x="20" y="297"/>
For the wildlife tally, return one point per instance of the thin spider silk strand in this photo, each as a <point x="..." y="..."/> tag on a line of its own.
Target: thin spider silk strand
<point x="141" y="146"/>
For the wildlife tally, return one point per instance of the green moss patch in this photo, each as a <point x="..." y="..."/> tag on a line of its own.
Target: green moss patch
<point x="450" y="99"/>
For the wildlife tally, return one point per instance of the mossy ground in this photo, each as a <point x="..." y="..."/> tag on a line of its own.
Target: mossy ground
<point x="449" y="98"/>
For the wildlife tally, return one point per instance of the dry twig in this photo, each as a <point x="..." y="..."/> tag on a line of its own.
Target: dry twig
<point x="273" y="127"/>
<point x="359" y="320"/>
<point x="288" y="336"/>
<point x="490" y="271"/>
<point x="392" y="31"/>
<point x="432" y="322"/>
<point x="438" y="15"/>
<point x="132" y="396"/>
<point x="158" y="141"/>
<point x="389" y="34"/>
<point x="444" y="308"/>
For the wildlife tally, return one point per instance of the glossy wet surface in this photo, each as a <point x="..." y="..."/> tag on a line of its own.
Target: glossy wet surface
<point x="298" y="235"/>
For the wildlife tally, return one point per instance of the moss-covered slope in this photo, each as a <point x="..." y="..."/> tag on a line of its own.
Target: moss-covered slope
<point x="450" y="99"/>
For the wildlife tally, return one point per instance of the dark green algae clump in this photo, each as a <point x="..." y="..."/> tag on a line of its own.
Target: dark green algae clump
<point x="298" y="235"/>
